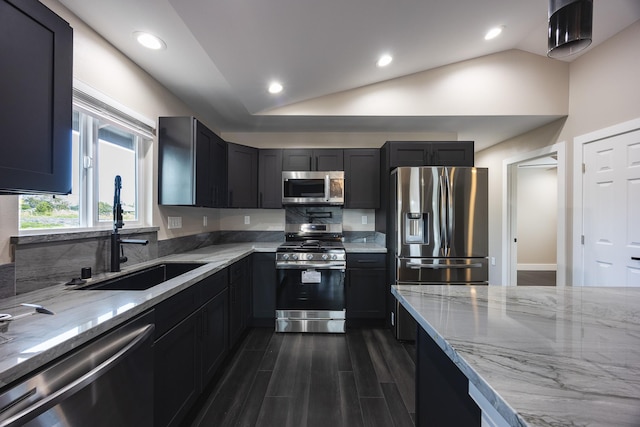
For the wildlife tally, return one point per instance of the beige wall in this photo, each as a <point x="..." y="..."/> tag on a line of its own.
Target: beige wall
<point x="604" y="91"/>
<point x="537" y="217"/>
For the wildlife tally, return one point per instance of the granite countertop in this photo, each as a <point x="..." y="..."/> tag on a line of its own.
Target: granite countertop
<point x="34" y="340"/>
<point x="543" y="356"/>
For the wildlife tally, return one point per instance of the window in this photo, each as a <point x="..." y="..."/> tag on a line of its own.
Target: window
<point x="104" y="145"/>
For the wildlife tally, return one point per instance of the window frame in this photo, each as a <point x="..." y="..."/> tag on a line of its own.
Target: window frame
<point x="101" y="110"/>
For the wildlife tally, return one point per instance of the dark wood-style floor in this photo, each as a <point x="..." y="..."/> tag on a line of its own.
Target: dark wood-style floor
<point x="536" y="278"/>
<point x="362" y="378"/>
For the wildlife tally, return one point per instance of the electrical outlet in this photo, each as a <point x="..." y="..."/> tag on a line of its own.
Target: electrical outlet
<point x="247" y="220"/>
<point x="174" y="222"/>
<point x="493" y="260"/>
<point x="364" y="219"/>
<point x="205" y="220"/>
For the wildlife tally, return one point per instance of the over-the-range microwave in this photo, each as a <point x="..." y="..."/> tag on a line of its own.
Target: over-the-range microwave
<point x="312" y="188"/>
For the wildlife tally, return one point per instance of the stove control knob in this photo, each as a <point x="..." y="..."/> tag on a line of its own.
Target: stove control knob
<point x="285" y="257"/>
<point x="294" y="256"/>
<point x="309" y="256"/>
<point x="334" y="257"/>
<point x="325" y="257"/>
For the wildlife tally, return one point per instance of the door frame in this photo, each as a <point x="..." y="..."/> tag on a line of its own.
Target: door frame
<point x="509" y="212"/>
<point x="578" y="209"/>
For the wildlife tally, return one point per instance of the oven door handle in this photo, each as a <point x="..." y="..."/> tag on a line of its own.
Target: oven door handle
<point x="318" y="266"/>
<point x="327" y="184"/>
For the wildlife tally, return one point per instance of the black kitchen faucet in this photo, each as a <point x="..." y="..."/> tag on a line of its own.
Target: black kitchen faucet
<point x="117" y="251"/>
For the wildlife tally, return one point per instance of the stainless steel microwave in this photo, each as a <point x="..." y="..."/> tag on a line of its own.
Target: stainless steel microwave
<point x="312" y="188"/>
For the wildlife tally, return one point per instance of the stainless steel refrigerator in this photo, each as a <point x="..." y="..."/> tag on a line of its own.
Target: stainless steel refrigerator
<point x="440" y="227"/>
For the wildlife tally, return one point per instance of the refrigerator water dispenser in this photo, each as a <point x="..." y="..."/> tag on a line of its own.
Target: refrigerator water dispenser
<point x="414" y="229"/>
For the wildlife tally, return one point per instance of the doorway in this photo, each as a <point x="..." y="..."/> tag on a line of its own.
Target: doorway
<point x="534" y="212"/>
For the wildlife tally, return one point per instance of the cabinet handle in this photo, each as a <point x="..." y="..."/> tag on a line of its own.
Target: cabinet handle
<point x="635" y="258"/>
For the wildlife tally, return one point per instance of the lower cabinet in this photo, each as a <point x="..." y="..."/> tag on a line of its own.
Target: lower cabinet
<point x="264" y="289"/>
<point x="239" y="299"/>
<point x="442" y="390"/>
<point x="366" y="290"/>
<point x="188" y="351"/>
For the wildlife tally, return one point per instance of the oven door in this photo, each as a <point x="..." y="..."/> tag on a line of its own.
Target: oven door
<point x="310" y="300"/>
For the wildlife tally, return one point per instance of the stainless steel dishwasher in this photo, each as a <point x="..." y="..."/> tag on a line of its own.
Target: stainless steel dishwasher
<point x="108" y="382"/>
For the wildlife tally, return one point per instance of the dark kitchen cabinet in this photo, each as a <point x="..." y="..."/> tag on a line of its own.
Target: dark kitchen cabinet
<point x="394" y="154"/>
<point x="240" y="300"/>
<point x="442" y="390"/>
<point x="362" y="178"/>
<point x="366" y="290"/>
<point x="192" y="164"/>
<point x="270" y="178"/>
<point x="191" y="343"/>
<point x="312" y="160"/>
<point x="36" y="51"/>
<point x="430" y="153"/>
<point x="264" y="289"/>
<point x="242" y="166"/>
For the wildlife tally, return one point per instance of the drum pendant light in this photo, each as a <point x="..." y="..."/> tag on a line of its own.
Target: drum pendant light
<point x="570" y="23"/>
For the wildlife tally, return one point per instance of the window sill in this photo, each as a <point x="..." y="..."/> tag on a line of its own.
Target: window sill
<point x="62" y="236"/>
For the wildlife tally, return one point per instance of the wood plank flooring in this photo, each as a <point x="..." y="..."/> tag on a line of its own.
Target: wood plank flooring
<point x="536" y="278"/>
<point x="362" y="378"/>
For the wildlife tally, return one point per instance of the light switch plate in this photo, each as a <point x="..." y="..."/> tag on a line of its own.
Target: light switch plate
<point x="364" y="219"/>
<point x="174" y="222"/>
<point x="247" y="220"/>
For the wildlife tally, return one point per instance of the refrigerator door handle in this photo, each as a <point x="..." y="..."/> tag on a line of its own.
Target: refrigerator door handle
<point x="418" y="265"/>
<point x="449" y="215"/>
<point x="442" y="215"/>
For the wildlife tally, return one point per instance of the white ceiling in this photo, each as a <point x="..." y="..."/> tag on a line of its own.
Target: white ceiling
<point x="221" y="54"/>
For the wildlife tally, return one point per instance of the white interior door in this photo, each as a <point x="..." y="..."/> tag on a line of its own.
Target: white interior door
<point x="611" y="209"/>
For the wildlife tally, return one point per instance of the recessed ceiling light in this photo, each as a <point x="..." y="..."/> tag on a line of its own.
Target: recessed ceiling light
<point x="275" y="87"/>
<point x="493" y="33"/>
<point x="384" y="60"/>
<point x="149" y="40"/>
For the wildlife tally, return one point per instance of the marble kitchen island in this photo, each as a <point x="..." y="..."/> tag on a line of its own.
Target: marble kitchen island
<point x="539" y="356"/>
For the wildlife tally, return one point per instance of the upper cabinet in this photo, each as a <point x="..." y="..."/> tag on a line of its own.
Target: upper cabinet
<point x="431" y="153"/>
<point x="192" y="164"/>
<point x="362" y="178"/>
<point x="242" y="165"/>
<point x="270" y="178"/>
<point x="312" y="160"/>
<point x="36" y="52"/>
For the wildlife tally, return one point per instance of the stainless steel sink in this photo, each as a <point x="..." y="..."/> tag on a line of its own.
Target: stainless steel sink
<point x="145" y="278"/>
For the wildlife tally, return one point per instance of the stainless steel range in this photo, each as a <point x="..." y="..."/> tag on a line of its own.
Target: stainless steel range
<point x="311" y="267"/>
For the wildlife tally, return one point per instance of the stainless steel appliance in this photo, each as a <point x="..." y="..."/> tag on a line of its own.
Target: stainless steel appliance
<point x="312" y="188"/>
<point x="310" y="267"/>
<point x="441" y="230"/>
<point x="106" y="383"/>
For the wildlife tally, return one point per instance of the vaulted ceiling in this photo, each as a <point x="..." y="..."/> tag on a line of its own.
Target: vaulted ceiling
<point x="221" y="55"/>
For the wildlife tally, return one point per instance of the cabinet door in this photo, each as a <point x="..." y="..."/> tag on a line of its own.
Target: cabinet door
<point x="215" y="334"/>
<point x="408" y="153"/>
<point x="270" y="179"/>
<point x="366" y="294"/>
<point x="218" y="166"/>
<point x="328" y="160"/>
<point x="297" y="160"/>
<point x="362" y="178"/>
<point x="235" y="313"/>
<point x="457" y="153"/>
<point x="205" y="139"/>
<point x="242" y="165"/>
<point x="177" y="377"/>
<point x="264" y="289"/>
<point x="36" y="88"/>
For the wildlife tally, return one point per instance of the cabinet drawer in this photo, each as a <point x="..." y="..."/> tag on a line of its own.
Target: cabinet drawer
<point x="213" y="285"/>
<point x="366" y="260"/>
<point x="173" y="310"/>
<point x="238" y="269"/>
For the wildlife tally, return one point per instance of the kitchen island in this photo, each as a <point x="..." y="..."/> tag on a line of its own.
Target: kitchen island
<point x="539" y="356"/>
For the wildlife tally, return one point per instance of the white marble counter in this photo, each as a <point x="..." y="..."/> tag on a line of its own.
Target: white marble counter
<point x="542" y="356"/>
<point x="36" y="339"/>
